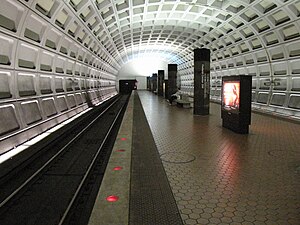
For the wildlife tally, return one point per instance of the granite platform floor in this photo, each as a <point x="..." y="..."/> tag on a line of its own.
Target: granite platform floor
<point x="220" y="177"/>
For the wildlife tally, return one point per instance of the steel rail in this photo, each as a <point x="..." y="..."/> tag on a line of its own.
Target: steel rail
<point x="54" y="157"/>
<point x="89" y="169"/>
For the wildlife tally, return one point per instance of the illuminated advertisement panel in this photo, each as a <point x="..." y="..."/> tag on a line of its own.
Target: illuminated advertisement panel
<point x="236" y="103"/>
<point x="231" y="95"/>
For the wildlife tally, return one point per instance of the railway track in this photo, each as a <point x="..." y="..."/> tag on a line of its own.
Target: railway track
<point x="59" y="186"/>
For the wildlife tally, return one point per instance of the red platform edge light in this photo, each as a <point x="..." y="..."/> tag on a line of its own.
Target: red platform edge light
<point x="112" y="198"/>
<point x="120" y="150"/>
<point x="123" y="139"/>
<point x="118" y="168"/>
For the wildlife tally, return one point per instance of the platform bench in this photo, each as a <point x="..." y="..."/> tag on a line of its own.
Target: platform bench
<point x="183" y="104"/>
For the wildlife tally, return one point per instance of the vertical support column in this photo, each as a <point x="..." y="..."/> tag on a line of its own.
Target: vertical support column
<point x="201" y="81"/>
<point x="172" y="79"/>
<point x="166" y="89"/>
<point x="161" y="77"/>
<point x="148" y="84"/>
<point x="151" y="83"/>
<point x="154" y="80"/>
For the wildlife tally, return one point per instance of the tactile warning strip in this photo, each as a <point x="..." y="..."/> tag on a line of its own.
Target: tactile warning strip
<point x="151" y="198"/>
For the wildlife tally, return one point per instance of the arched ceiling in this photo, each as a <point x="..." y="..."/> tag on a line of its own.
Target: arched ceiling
<point x="118" y="31"/>
<point x="171" y="28"/>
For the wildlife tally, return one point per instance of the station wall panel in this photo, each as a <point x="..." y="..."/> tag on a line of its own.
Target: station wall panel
<point x="295" y="84"/>
<point x="252" y="71"/>
<point x="278" y="99"/>
<point x="78" y="98"/>
<point x="63" y="18"/>
<point x="264" y="70"/>
<point x="43" y="54"/>
<point x="280" y="83"/>
<point x="26" y="84"/>
<point x="276" y="53"/>
<point x="76" y="84"/>
<point x="40" y="58"/>
<point x="11" y="15"/>
<point x="27" y="56"/>
<point x="34" y="28"/>
<point x="261" y="56"/>
<point x="48" y="107"/>
<point x="7" y="51"/>
<point x="71" y="100"/>
<point x="241" y="71"/>
<point x="8" y="119"/>
<point x="46" y="61"/>
<point x="280" y="68"/>
<point x="81" y="84"/>
<point x="264" y="83"/>
<point x="69" y="84"/>
<point x="5" y="91"/>
<point x="62" y="103"/>
<point x="294" y="101"/>
<point x="77" y="68"/>
<point x="59" y="84"/>
<point x="263" y="97"/>
<point x="98" y="93"/>
<point x="70" y="67"/>
<point x="92" y="95"/>
<point x="293" y="49"/>
<point x="31" y="112"/>
<point x="60" y="64"/>
<point x="295" y="67"/>
<point x="53" y="38"/>
<point x="45" y="84"/>
<point x="83" y="96"/>
<point x="249" y="59"/>
<point x="46" y="7"/>
<point x="65" y="45"/>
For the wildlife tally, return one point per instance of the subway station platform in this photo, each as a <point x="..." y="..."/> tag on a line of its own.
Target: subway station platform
<point x="187" y="169"/>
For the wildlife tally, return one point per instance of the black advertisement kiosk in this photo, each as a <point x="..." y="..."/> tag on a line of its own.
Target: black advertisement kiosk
<point x="236" y="103"/>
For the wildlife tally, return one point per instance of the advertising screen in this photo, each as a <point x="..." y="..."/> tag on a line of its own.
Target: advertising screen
<point x="231" y="95"/>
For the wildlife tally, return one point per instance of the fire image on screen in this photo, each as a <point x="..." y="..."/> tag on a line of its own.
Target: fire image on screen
<point x="231" y="95"/>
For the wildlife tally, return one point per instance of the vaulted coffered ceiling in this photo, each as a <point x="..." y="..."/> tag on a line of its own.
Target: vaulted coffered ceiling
<point x="172" y="28"/>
